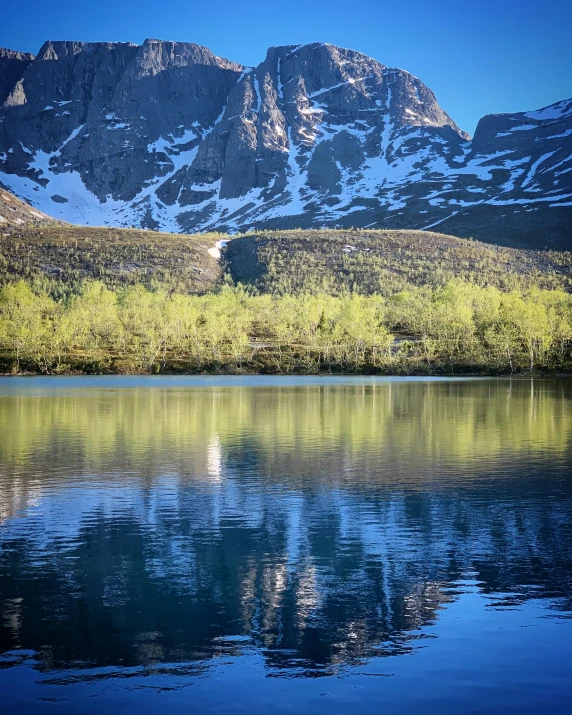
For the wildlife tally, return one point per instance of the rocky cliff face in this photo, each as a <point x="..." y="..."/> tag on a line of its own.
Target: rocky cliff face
<point x="12" y="67"/>
<point x="167" y="135"/>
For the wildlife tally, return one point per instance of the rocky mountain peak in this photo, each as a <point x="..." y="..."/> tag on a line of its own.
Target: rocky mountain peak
<point x="158" y="56"/>
<point x="57" y="50"/>
<point x="12" y="66"/>
<point x="6" y="54"/>
<point x="168" y="135"/>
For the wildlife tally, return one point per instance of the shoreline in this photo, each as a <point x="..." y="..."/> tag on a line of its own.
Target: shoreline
<point x="435" y="375"/>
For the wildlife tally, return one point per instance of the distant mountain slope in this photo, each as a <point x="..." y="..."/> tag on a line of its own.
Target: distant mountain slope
<point x="15" y="212"/>
<point x="167" y="135"/>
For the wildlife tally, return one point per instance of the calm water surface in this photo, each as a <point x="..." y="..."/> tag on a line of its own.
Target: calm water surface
<point x="226" y="545"/>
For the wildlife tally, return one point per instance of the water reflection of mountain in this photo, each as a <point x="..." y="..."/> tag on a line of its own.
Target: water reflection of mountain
<point x="321" y="527"/>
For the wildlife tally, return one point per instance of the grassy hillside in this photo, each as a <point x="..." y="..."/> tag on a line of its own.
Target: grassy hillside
<point x="59" y="258"/>
<point x="385" y="262"/>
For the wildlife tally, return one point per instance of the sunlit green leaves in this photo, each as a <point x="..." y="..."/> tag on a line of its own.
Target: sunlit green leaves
<point x="457" y="326"/>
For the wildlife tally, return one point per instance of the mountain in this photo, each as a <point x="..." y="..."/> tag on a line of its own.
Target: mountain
<point x="169" y="136"/>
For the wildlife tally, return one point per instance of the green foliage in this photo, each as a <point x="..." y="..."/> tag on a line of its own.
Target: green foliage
<point x="58" y="259"/>
<point x="110" y="300"/>
<point x="386" y="262"/>
<point x="458" y="326"/>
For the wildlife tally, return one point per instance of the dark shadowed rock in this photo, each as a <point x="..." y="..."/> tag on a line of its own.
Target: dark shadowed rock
<point x="12" y="67"/>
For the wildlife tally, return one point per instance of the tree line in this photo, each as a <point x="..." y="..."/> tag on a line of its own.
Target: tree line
<point x="458" y="327"/>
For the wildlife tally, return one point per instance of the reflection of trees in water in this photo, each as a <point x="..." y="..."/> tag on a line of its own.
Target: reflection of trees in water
<point x="395" y="433"/>
<point x="314" y="577"/>
<point x="420" y="423"/>
<point x="325" y="524"/>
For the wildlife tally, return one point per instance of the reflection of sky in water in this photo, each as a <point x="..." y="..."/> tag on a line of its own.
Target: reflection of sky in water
<point x="207" y="539"/>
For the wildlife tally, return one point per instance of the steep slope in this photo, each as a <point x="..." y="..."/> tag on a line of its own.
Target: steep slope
<point x="169" y="136"/>
<point x="12" y="67"/>
<point x="14" y="212"/>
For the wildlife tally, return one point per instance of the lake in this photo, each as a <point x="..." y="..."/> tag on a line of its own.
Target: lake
<point x="285" y="545"/>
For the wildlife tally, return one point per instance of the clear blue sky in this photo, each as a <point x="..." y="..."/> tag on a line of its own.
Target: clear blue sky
<point x="478" y="57"/>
